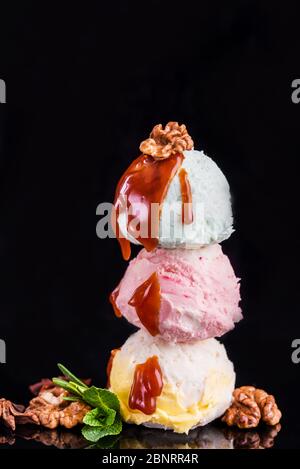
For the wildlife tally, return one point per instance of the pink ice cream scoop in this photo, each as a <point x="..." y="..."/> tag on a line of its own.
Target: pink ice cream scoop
<point x="198" y="293"/>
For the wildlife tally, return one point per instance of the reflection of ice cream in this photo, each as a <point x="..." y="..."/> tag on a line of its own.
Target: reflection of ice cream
<point x="198" y="288"/>
<point x="208" y="437"/>
<point x="197" y="381"/>
<point x="211" y="205"/>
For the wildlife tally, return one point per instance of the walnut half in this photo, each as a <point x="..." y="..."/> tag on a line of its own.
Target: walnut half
<point x="8" y="413"/>
<point x="250" y="406"/>
<point x="51" y="410"/>
<point x="48" y="409"/>
<point x="164" y="142"/>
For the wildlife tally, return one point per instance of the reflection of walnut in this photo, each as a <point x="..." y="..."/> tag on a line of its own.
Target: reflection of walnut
<point x="243" y="439"/>
<point x="268" y="436"/>
<point x="162" y="143"/>
<point x="62" y="439"/>
<point x="250" y="405"/>
<point x="253" y="439"/>
<point x="7" y="439"/>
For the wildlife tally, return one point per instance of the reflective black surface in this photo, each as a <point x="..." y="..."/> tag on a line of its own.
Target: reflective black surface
<point x="213" y="436"/>
<point x="84" y="86"/>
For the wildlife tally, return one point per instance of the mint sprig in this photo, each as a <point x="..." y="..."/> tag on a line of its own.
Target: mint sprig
<point x="95" y="433"/>
<point x="104" y="418"/>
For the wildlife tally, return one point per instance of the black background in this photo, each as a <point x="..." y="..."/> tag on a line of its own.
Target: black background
<point x="85" y="84"/>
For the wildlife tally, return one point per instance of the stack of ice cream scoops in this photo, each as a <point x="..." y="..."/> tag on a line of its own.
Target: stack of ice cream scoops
<point x="180" y="291"/>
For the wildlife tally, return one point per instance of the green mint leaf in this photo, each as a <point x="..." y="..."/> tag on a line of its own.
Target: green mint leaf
<point x="104" y="419"/>
<point x="71" y="398"/>
<point x="96" y="418"/>
<point x="94" y="434"/>
<point x="76" y="388"/>
<point x="62" y="384"/>
<point x="110" y="418"/>
<point x="110" y="399"/>
<point x="102" y="398"/>
<point x="69" y="386"/>
<point x="70" y="375"/>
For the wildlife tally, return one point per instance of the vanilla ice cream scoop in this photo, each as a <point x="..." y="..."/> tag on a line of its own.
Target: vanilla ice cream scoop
<point x="171" y="195"/>
<point x="191" y="384"/>
<point x="211" y="205"/>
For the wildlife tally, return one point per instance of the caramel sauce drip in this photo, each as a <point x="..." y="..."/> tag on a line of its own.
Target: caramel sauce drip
<point x="146" y="387"/>
<point x="186" y="195"/>
<point x="146" y="182"/>
<point x="146" y="300"/>
<point x="113" y="300"/>
<point x="125" y="247"/>
<point x="110" y="364"/>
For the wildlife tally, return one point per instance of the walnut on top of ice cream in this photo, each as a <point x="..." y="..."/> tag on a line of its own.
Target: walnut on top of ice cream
<point x="164" y="142"/>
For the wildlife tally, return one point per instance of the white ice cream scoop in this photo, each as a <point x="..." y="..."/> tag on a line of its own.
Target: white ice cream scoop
<point x="197" y="381"/>
<point x="211" y="206"/>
